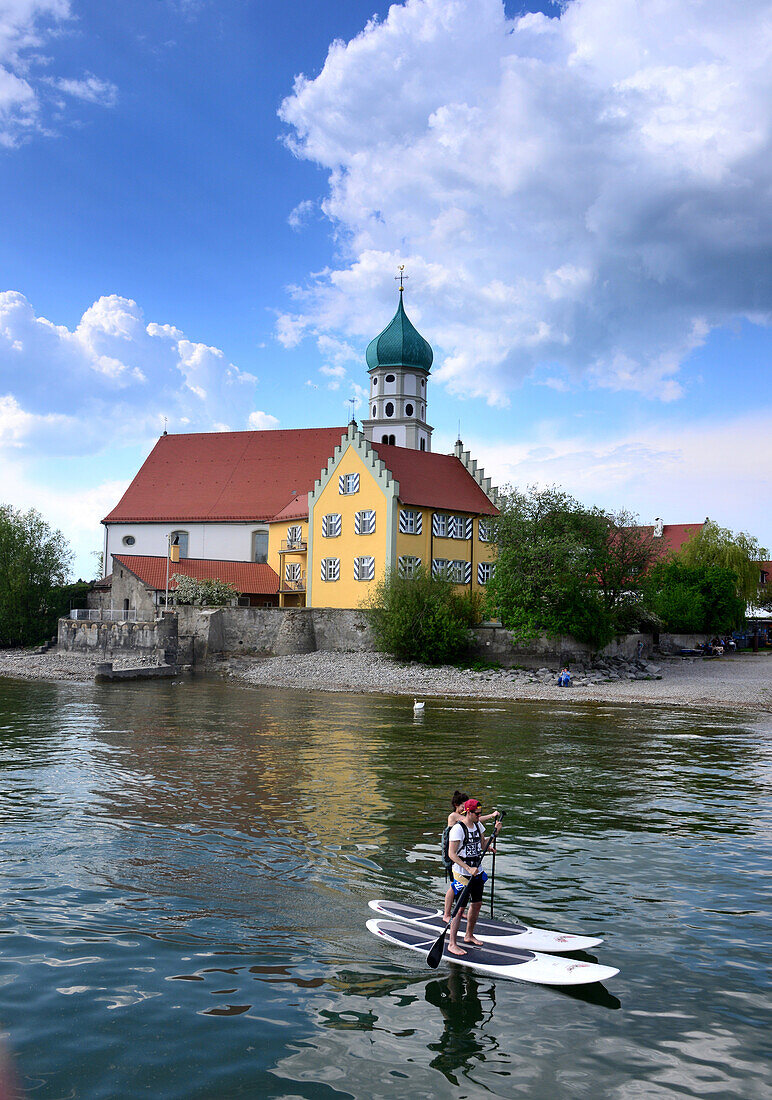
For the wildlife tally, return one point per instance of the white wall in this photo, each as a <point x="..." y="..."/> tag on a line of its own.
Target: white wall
<point x="214" y="541"/>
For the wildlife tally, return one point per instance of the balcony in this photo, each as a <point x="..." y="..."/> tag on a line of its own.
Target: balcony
<point x="298" y="585"/>
<point x="289" y="546"/>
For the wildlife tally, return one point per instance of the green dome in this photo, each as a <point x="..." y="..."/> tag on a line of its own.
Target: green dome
<point x="399" y="345"/>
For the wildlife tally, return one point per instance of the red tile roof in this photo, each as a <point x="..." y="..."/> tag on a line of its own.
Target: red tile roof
<point x="296" y="509"/>
<point x="434" y="480"/>
<point x="249" y="577"/>
<point x="225" y="476"/>
<point x="674" y="535"/>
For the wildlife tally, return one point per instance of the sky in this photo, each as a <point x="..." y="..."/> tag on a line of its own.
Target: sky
<point x="204" y="205"/>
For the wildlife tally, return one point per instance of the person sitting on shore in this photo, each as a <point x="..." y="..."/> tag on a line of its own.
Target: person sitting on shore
<point x="457" y="801"/>
<point x="564" y="678"/>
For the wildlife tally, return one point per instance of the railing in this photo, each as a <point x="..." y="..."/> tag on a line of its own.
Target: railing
<point x="294" y="586"/>
<point x="287" y="545"/>
<point x="106" y="615"/>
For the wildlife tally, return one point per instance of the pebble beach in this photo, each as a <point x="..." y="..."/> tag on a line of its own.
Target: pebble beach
<point x="740" y="681"/>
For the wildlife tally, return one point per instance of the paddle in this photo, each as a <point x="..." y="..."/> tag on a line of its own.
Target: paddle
<point x="493" y="872"/>
<point x="437" y="948"/>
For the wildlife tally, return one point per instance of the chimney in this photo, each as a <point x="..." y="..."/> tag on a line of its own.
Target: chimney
<point x="658" y="528"/>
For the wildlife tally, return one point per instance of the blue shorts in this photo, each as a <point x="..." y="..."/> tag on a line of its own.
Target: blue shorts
<point x="458" y="882"/>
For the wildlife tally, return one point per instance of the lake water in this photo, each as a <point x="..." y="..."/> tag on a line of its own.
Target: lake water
<point x="186" y="869"/>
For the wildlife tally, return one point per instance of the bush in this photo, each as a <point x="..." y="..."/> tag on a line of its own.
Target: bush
<point x="204" y="593"/>
<point x="691" y="599"/>
<point x="422" y="618"/>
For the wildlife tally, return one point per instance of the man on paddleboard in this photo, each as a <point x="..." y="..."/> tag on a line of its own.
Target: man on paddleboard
<point x="465" y="848"/>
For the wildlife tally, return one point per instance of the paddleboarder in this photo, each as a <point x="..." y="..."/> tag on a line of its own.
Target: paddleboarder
<point x="465" y="847"/>
<point x="457" y="800"/>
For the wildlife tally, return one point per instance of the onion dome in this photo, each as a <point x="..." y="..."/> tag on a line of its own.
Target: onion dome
<point x="399" y="345"/>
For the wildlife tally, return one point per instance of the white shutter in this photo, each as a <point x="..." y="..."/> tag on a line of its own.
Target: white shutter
<point x="418" y="523"/>
<point x="467" y="527"/>
<point x="467" y="572"/>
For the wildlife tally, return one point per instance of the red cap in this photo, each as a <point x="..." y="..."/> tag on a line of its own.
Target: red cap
<point x="471" y="806"/>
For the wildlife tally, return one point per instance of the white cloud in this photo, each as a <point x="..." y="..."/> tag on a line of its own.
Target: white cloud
<point x="262" y="421"/>
<point x="113" y="373"/>
<point x="587" y="191"/>
<point x="27" y="31"/>
<point x="682" y="474"/>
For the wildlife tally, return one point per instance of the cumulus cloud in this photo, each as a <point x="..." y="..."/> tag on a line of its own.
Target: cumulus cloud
<point x="113" y="373"/>
<point x="588" y="191"/>
<point x="27" y="92"/>
<point x="261" y="421"/>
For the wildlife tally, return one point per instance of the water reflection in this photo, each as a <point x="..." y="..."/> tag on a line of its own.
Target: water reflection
<point x="459" y="1000"/>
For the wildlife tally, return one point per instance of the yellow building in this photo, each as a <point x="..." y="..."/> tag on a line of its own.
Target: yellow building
<point x="327" y="510"/>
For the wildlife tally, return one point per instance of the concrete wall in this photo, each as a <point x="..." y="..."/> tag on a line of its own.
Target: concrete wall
<point x="219" y="541"/>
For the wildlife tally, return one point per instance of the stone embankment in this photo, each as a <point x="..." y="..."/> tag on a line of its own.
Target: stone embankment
<point x="742" y="681"/>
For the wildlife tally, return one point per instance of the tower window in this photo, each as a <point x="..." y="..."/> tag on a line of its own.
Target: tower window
<point x="389" y="377"/>
<point x="373" y="410"/>
<point x="384" y="439"/>
<point x="389" y="410"/>
<point x="423" y="445"/>
<point x="409" y="409"/>
<point x="423" y="383"/>
<point x="375" y="382"/>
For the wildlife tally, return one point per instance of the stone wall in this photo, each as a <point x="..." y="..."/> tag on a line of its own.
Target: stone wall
<point x="495" y="644"/>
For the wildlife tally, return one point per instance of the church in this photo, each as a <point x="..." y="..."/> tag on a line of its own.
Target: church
<point x="309" y="517"/>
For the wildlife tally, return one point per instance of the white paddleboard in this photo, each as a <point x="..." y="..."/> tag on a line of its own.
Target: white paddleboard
<point x="503" y="962"/>
<point x="489" y="931"/>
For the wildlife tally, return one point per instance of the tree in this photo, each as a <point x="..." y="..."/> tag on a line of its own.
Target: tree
<point x="694" y="599"/>
<point x="563" y="568"/>
<point x="714" y="545"/>
<point x="421" y="618"/>
<point x="34" y="562"/>
<point x="206" y="593"/>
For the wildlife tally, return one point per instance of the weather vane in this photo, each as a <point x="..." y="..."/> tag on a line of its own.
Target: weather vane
<point x="352" y="402"/>
<point x="401" y="276"/>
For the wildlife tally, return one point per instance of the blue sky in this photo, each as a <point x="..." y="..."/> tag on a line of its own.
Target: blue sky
<point x="203" y="206"/>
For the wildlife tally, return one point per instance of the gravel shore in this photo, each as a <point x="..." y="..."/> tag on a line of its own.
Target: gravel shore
<point x="742" y="681"/>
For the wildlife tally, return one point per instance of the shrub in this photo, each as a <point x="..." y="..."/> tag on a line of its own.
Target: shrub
<point x="422" y="618"/>
<point x="204" y="593"/>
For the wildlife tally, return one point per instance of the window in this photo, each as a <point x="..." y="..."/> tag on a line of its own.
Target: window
<point x="375" y="410"/>
<point x="409" y="409"/>
<point x="763" y="575"/>
<point x="129" y="540"/>
<point x="389" y="409"/>
<point x="331" y="525"/>
<point x="364" y="522"/>
<point x="182" y="537"/>
<point x="364" y="569"/>
<point x="485" y="570"/>
<point x="462" y="527"/>
<point x="292" y="572"/>
<point x="348" y="483"/>
<point x="442" y="525"/>
<point x="484" y="530"/>
<point x="384" y="439"/>
<point x="260" y="546"/>
<point x="389" y="377"/>
<point x="330" y="569"/>
<point x="375" y="382"/>
<point x="423" y="445"/>
<point x="440" y="567"/>
<point x="294" y="536"/>
<point x="423" y="383"/>
<point x="459" y="572"/>
<point x="410" y="522"/>
<point x="408" y="565"/>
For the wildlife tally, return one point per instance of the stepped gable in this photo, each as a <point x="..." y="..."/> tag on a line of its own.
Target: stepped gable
<point x="225" y="476"/>
<point x="433" y="480"/>
<point x="254" y="578"/>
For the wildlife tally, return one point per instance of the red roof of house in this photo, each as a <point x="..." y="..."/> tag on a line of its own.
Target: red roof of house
<point x="225" y="476"/>
<point x="250" y="577"/>
<point x="296" y="509"/>
<point x="674" y="535"/>
<point x="434" y="480"/>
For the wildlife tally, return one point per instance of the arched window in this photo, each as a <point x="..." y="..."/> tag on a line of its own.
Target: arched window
<point x="181" y="538"/>
<point x="384" y="439"/>
<point x="374" y="410"/>
<point x="392" y="440"/>
<point x="423" y="383"/>
<point x="375" y="382"/>
<point x="389" y="410"/>
<point x="409" y="409"/>
<point x="423" y="445"/>
<point x="260" y="546"/>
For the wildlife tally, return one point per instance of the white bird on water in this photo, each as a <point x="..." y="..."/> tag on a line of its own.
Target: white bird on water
<point x="418" y="708"/>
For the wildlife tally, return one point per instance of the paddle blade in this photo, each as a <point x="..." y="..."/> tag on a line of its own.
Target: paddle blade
<point x="434" y="957"/>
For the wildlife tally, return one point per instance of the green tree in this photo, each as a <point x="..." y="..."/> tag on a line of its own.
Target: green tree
<point x="34" y="562"/>
<point x="422" y="618"/>
<point x="714" y="545"/>
<point x="563" y="568"/>
<point x="206" y="593"/>
<point x="694" y="599"/>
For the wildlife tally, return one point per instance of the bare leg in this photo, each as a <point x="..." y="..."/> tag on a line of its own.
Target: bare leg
<point x="448" y="904"/>
<point x="474" y="912"/>
<point x="453" y="948"/>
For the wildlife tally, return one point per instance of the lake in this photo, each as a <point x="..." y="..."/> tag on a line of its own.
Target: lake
<point x="186" y="868"/>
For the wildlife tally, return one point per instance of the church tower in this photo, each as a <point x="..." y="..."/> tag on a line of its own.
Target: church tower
<point x="398" y="362"/>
